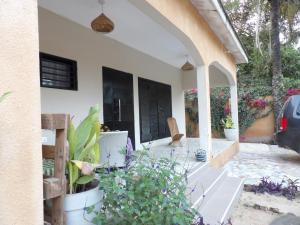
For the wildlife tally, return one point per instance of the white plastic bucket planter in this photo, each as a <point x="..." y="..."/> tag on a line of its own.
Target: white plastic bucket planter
<point x="75" y="204"/>
<point x="230" y="134"/>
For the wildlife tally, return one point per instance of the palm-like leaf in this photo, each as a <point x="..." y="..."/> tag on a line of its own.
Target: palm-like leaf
<point x="83" y="147"/>
<point x="4" y="96"/>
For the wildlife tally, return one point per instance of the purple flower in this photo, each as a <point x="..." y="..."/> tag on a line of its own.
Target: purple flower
<point x="172" y="152"/>
<point x="164" y="191"/>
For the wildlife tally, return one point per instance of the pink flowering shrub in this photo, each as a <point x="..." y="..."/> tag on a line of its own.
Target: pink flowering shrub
<point x="227" y="109"/>
<point x="259" y="103"/>
<point x="293" y="91"/>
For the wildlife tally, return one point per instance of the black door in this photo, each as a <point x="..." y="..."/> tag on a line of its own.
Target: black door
<point x="155" y="102"/>
<point x="118" y="101"/>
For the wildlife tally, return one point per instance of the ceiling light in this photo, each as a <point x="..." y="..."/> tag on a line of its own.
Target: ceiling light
<point x="187" y="66"/>
<point x="102" y="23"/>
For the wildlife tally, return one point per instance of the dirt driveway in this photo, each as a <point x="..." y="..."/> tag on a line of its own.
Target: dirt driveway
<point x="253" y="162"/>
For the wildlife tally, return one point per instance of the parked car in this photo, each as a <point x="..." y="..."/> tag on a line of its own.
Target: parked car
<point x="288" y="133"/>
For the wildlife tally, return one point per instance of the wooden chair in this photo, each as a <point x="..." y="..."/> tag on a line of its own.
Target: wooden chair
<point x="54" y="187"/>
<point x="176" y="136"/>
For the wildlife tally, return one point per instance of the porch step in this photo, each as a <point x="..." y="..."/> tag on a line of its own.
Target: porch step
<point x="219" y="207"/>
<point x="213" y="193"/>
<point x="203" y="184"/>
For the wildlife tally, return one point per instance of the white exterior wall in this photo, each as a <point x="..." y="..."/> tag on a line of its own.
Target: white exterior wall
<point x="91" y="50"/>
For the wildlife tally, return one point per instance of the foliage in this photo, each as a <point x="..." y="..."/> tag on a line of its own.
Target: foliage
<point x="255" y="77"/>
<point x="252" y="103"/>
<point x="247" y="14"/>
<point x="252" y="21"/>
<point x="287" y="187"/>
<point x="227" y="122"/>
<point x="2" y="97"/>
<point x="291" y="83"/>
<point x="148" y="192"/>
<point x="291" y="62"/>
<point x="193" y="113"/>
<point x="290" y="11"/>
<point x="218" y="100"/>
<point x="84" y="151"/>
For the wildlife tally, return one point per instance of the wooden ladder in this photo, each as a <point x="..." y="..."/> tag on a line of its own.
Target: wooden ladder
<point x="54" y="188"/>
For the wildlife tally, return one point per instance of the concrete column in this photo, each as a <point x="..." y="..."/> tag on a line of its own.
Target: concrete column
<point x="21" y="193"/>
<point x="234" y="108"/>
<point x="204" y="109"/>
<point x="136" y="113"/>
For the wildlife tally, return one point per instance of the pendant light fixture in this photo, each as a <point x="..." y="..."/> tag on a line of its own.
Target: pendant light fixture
<point x="187" y="66"/>
<point x="102" y="23"/>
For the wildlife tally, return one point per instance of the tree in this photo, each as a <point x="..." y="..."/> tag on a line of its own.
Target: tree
<point x="258" y="27"/>
<point x="290" y="10"/>
<point x="245" y="14"/>
<point x="277" y="78"/>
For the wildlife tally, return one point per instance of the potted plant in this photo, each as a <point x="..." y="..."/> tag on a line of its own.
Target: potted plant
<point x="200" y="155"/>
<point x="84" y="153"/>
<point x="229" y="130"/>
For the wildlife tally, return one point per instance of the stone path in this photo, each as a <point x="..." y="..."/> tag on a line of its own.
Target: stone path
<point x="287" y="219"/>
<point x="255" y="161"/>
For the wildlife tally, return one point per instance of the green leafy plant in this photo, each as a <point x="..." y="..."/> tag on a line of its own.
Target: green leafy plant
<point x="227" y="122"/>
<point x="2" y="97"/>
<point x="218" y="99"/>
<point x="150" y="191"/>
<point x="84" y="151"/>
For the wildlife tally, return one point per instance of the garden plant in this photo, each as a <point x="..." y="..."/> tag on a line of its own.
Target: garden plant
<point x="84" y="151"/>
<point x="149" y="191"/>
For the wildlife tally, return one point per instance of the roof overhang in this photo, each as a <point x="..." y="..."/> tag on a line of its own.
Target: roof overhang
<point x="214" y="14"/>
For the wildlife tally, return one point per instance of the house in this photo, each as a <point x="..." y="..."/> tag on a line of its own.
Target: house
<point x="135" y="69"/>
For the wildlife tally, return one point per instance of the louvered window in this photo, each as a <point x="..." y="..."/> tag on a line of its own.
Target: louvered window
<point x="58" y="72"/>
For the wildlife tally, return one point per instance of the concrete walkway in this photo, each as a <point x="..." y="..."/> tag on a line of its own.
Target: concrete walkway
<point x="255" y="161"/>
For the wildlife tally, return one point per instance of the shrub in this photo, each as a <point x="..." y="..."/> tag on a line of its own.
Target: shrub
<point x="148" y="192"/>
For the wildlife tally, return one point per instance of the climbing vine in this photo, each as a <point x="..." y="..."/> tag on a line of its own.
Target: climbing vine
<point x="254" y="101"/>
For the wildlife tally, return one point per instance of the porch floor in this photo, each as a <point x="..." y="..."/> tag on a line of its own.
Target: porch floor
<point x="185" y="154"/>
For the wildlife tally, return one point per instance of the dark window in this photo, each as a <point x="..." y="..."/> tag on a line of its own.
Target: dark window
<point x="58" y="72"/>
<point x="155" y="104"/>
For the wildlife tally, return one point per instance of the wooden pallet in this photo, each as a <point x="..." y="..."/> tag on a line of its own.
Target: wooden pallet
<point x="55" y="187"/>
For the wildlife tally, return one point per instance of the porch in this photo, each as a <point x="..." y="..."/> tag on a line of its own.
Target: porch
<point x="118" y="55"/>
<point x="150" y="41"/>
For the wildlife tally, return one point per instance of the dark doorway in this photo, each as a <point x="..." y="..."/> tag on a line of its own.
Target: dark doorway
<point x="118" y="101"/>
<point x="155" y="102"/>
